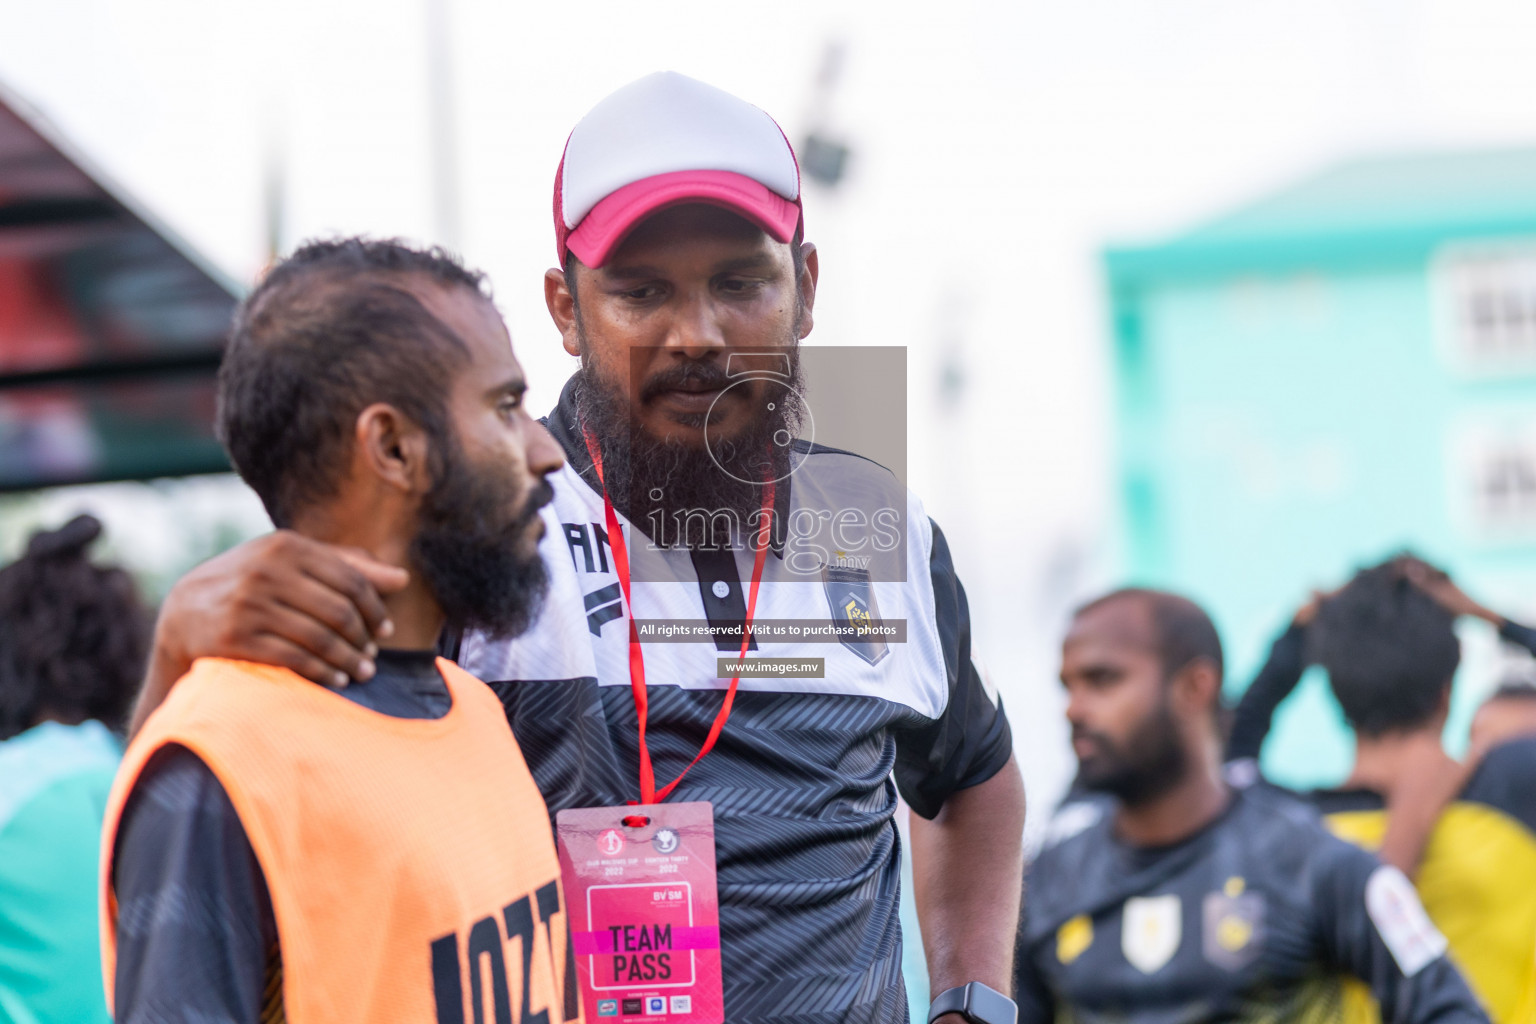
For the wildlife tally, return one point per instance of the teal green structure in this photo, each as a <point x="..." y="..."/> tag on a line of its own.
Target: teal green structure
<point x="1335" y="372"/>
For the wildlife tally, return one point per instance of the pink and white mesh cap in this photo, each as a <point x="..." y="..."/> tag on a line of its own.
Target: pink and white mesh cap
<point x="668" y="139"/>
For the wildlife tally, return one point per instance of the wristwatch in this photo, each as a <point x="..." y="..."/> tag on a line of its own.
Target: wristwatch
<point x="977" y="1003"/>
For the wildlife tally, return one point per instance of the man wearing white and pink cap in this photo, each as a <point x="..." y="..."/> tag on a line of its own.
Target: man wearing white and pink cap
<point x="685" y="289"/>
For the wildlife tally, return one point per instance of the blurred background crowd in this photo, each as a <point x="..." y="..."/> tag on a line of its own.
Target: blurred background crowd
<point x="1227" y="298"/>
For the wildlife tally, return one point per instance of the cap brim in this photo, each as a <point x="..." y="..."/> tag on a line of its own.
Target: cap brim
<point x="602" y="229"/>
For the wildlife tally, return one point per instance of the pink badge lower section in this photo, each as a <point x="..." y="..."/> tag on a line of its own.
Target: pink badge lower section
<point x="644" y="912"/>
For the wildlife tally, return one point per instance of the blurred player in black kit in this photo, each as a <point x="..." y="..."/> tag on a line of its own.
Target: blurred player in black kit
<point x="1168" y="895"/>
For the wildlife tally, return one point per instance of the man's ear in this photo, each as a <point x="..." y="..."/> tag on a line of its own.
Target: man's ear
<point x="562" y="309"/>
<point x="807" y="287"/>
<point x="1197" y="687"/>
<point x="394" y="448"/>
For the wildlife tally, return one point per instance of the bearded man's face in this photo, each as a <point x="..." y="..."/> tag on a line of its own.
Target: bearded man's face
<point x="690" y="375"/>
<point x="1124" y="730"/>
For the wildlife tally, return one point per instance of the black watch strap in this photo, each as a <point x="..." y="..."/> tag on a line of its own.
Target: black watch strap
<point x="949" y="1001"/>
<point x="977" y="1003"/>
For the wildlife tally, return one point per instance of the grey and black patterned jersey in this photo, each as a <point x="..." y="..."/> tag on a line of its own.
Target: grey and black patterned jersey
<point x="802" y="777"/>
<point x="1261" y="916"/>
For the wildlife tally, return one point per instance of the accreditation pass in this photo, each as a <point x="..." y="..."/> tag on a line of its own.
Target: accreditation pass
<point x="644" y="911"/>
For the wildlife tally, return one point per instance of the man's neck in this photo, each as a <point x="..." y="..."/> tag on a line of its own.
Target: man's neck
<point x="1193" y="803"/>
<point x="417" y="618"/>
<point x="1382" y="760"/>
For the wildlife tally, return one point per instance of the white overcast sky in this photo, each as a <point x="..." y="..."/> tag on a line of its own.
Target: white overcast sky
<point x="997" y="147"/>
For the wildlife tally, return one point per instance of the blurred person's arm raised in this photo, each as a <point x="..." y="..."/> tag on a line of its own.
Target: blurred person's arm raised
<point x="281" y="599"/>
<point x="1456" y="601"/>
<point x="1255" y="711"/>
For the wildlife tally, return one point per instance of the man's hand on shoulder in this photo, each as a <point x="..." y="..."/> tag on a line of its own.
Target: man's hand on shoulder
<point x="281" y="599"/>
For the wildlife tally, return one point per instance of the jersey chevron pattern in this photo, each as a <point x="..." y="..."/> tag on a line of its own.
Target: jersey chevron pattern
<point x="801" y="779"/>
<point x="1262" y="916"/>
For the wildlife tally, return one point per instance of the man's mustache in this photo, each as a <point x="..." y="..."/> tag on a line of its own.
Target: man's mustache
<point x="539" y="495"/>
<point x="703" y="376"/>
<point x="1100" y="741"/>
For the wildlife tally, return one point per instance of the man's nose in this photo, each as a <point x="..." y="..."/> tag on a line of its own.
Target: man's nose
<point x="544" y="454"/>
<point x="1077" y="713"/>
<point x="696" y="328"/>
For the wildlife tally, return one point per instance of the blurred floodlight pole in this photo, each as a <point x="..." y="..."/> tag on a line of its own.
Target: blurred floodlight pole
<point x="442" y="125"/>
<point x="274" y="187"/>
<point x="823" y="155"/>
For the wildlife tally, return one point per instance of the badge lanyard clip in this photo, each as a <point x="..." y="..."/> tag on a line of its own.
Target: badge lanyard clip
<point x="649" y="794"/>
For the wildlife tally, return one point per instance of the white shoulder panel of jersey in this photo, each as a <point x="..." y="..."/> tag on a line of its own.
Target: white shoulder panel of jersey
<point x="1072" y="819"/>
<point x="556" y="645"/>
<point x="581" y="631"/>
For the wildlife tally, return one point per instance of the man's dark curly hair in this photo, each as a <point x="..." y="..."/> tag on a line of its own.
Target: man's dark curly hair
<point x="74" y="636"/>
<point x="1389" y="650"/>
<point x="328" y="331"/>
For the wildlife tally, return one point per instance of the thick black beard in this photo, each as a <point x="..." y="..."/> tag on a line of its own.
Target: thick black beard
<point x="654" y="481"/>
<point x="470" y="548"/>
<point x="1151" y="762"/>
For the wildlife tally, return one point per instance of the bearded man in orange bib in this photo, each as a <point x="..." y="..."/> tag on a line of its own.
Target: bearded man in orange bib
<point x="276" y="850"/>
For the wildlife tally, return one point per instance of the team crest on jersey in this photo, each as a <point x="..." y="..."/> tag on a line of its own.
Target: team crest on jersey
<point x="1150" y="930"/>
<point x="1073" y="938"/>
<point x="852" y="601"/>
<point x="1233" y="923"/>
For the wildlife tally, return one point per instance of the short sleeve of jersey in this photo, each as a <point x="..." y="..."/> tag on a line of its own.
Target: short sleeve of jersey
<point x="970" y="741"/>
<point x="1515" y="633"/>
<point x="1371" y="925"/>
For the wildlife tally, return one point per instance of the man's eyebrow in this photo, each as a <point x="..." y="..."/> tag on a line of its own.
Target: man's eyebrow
<point x="635" y="271"/>
<point x="644" y="271"/>
<point x="516" y="386"/>
<point x="757" y="261"/>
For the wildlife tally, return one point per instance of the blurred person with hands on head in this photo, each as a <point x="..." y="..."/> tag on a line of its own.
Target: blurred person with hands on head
<point x="1465" y="831"/>
<point x="1162" y="892"/>
<point x="73" y="639"/>
<point x="362" y="855"/>
<point x="679" y="232"/>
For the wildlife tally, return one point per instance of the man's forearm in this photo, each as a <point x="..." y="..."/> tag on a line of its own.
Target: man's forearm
<point x="1275" y="682"/>
<point x="967" y="873"/>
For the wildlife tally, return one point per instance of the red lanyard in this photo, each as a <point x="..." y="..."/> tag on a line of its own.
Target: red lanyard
<point x="648" y="792"/>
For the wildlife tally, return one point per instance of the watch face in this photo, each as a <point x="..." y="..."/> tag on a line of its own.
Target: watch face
<point x="990" y="1006"/>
